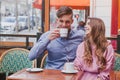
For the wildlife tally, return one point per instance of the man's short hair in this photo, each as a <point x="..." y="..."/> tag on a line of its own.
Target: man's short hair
<point x="64" y="10"/>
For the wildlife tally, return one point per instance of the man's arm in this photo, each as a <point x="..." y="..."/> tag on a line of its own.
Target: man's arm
<point x="39" y="47"/>
<point x="42" y="43"/>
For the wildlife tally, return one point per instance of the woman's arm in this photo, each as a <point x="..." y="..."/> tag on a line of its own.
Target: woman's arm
<point x="78" y="64"/>
<point x="110" y="57"/>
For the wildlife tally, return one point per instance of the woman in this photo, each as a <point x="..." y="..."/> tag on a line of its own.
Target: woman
<point x="95" y="56"/>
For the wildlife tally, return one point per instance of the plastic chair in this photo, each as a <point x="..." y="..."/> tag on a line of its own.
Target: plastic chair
<point x="43" y="61"/>
<point x="15" y="59"/>
<point x="117" y="62"/>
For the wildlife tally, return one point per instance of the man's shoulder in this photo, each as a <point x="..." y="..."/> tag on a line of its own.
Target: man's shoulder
<point x="79" y="32"/>
<point x="46" y="33"/>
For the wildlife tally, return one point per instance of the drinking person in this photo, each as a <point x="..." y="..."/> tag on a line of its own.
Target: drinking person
<point x="94" y="56"/>
<point x="60" y="48"/>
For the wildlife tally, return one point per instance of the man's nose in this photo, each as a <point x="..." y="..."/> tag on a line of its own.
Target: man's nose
<point x="64" y="24"/>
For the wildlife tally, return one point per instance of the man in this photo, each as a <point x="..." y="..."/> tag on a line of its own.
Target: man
<point x="60" y="50"/>
<point x="81" y="25"/>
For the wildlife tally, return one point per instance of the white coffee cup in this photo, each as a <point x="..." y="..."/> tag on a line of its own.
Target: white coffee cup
<point x="69" y="67"/>
<point x="63" y="32"/>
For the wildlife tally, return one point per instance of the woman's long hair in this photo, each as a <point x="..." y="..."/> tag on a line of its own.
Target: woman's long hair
<point x="97" y="34"/>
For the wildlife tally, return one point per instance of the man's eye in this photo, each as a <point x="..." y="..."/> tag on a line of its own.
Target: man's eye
<point x="67" y="21"/>
<point x="61" y="20"/>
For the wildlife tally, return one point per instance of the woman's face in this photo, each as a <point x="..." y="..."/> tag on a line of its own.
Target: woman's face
<point x="87" y="27"/>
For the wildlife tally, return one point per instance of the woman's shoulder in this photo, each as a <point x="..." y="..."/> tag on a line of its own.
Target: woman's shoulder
<point x="110" y="50"/>
<point x="109" y="44"/>
<point x="80" y="49"/>
<point x="81" y="44"/>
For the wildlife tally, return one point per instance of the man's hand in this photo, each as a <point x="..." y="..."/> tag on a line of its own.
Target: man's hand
<point x="54" y="34"/>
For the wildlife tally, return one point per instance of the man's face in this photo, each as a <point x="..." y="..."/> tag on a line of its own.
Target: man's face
<point x="65" y="21"/>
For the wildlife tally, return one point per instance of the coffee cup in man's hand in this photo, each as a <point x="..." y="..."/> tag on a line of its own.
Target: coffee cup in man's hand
<point x="63" y="32"/>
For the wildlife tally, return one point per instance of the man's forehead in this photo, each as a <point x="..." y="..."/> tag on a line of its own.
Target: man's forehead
<point x="65" y="19"/>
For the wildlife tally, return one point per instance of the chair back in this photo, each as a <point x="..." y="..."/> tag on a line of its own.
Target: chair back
<point x="117" y="62"/>
<point x="43" y="61"/>
<point x="15" y="59"/>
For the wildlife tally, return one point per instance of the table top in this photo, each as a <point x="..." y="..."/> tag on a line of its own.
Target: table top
<point x="46" y="74"/>
<point x="114" y="75"/>
<point x="50" y="74"/>
<point x="117" y="75"/>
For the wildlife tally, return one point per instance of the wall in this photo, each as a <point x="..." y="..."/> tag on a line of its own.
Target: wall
<point x="119" y="15"/>
<point x="114" y="18"/>
<point x="102" y="9"/>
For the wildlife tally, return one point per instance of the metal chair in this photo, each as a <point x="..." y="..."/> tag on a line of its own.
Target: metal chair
<point x="14" y="60"/>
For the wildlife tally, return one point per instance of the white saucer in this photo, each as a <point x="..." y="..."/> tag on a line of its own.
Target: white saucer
<point x="34" y="69"/>
<point x="64" y="71"/>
